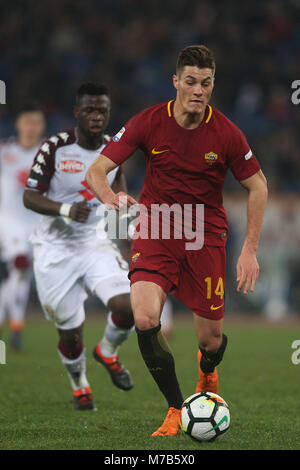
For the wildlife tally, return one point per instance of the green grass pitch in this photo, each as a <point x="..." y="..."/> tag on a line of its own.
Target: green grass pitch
<point x="257" y="379"/>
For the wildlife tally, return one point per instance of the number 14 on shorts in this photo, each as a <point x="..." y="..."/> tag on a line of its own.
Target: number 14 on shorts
<point x="218" y="290"/>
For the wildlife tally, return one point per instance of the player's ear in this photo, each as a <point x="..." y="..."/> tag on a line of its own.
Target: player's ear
<point x="175" y="81"/>
<point x="75" y="111"/>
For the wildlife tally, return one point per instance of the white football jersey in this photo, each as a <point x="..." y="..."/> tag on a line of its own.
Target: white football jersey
<point x="58" y="171"/>
<point x="16" y="221"/>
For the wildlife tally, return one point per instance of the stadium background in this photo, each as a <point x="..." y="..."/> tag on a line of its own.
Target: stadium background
<point x="48" y="48"/>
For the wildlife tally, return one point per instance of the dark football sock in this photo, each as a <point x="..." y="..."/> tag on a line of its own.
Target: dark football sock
<point x="159" y="360"/>
<point x="210" y="360"/>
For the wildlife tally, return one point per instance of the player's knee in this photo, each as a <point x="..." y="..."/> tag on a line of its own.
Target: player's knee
<point x="144" y="321"/>
<point x="71" y="339"/>
<point x="121" y="311"/>
<point x="212" y="357"/>
<point x="212" y="343"/>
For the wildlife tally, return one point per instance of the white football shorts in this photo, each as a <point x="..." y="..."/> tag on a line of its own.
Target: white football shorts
<point x="64" y="274"/>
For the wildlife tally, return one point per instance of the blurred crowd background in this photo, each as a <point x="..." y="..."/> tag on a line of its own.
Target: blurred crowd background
<point x="47" y="48"/>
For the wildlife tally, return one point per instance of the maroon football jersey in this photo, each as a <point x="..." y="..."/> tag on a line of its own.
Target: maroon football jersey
<point x="186" y="166"/>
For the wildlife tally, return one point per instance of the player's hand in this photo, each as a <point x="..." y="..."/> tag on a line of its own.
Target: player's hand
<point x="120" y="200"/>
<point x="247" y="270"/>
<point x="80" y="211"/>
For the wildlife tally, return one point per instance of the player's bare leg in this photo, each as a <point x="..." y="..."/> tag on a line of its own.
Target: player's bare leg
<point x="166" y="319"/>
<point x="212" y="343"/>
<point x="147" y="300"/>
<point x="72" y="354"/>
<point x="120" y="323"/>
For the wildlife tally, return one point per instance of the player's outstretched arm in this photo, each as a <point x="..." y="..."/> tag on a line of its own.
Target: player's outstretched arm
<point x="41" y="204"/>
<point x="247" y="266"/>
<point x="96" y="178"/>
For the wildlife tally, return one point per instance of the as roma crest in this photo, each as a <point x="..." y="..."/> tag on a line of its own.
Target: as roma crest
<point x="211" y="157"/>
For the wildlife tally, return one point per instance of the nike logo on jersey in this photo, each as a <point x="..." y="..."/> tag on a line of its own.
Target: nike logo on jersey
<point x="212" y="307"/>
<point x="156" y="152"/>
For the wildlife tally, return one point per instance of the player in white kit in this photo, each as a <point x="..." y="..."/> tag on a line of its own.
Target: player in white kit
<point x="69" y="257"/>
<point x="16" y="222"/>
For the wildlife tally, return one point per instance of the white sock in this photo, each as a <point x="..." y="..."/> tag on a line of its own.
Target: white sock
<point x="76" y="369"/>
<point x="113" y="337"/>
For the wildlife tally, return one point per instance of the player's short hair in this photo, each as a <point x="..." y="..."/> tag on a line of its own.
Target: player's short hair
<point x="28" y="108"/>
<point x="91" y="88"/>
<point x="197" y="55"/>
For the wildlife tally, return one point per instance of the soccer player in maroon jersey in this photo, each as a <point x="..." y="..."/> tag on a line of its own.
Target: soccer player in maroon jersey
<point x="189" y="146"/>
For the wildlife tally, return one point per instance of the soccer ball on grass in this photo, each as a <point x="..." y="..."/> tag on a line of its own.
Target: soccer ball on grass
<point x="205" y="416"/>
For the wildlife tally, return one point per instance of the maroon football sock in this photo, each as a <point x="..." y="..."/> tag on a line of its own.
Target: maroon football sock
<point x="73" y="353"/>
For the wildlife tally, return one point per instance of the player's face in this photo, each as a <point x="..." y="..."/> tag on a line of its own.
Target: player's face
<point x="194" y="88"/>
<point x="93" y="114"/>
<point x="31" y="126"/>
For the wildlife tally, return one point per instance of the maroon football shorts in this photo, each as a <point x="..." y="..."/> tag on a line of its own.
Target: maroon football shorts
<point x="196" y="277"/>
